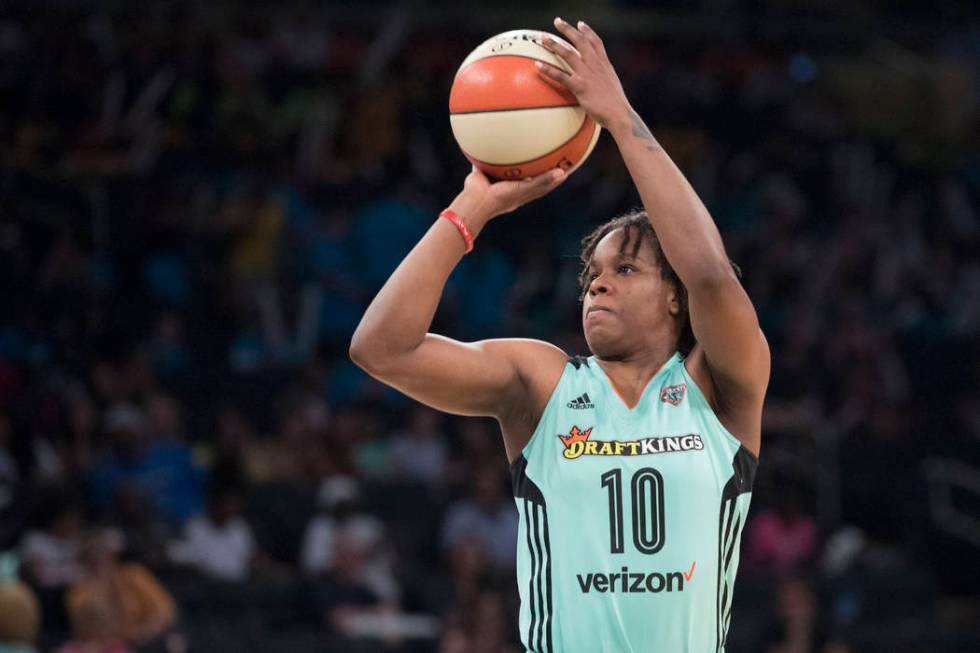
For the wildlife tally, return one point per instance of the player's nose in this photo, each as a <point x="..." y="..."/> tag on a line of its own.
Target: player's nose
<point x="599" y="285"/>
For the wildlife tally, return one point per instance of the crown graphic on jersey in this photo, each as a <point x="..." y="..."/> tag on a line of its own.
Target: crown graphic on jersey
<point x="575" y="436"/>
<point x="580" y="402"/>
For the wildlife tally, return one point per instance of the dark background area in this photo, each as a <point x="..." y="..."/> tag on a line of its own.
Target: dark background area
<point x="198" y="201"/>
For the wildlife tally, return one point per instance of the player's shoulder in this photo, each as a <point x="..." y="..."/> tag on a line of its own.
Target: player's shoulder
<point x="531" y="357"/>
<point x="539" y="365"/>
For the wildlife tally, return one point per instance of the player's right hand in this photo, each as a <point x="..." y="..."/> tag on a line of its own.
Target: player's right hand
<point x="483" y="200"/>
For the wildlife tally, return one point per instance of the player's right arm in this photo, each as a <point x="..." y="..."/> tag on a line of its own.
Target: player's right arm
<point x="392" y="343"/>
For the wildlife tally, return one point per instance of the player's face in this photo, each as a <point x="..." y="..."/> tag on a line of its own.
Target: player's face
<point x="627" y="301"/>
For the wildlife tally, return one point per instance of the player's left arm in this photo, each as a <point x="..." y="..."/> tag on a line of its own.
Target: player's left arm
<point x="722" y="316"/>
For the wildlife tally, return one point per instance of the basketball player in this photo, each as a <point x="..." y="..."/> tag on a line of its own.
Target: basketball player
<point x="632" y="468"/>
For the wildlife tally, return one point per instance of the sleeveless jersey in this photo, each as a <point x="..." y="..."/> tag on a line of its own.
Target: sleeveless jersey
<point x="630" y="520"/>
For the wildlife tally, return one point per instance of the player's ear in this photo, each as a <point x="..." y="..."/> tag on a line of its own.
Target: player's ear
<point x="673" y="302"/>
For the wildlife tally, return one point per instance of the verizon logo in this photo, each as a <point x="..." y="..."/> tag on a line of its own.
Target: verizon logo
<point x="627" y="582"/>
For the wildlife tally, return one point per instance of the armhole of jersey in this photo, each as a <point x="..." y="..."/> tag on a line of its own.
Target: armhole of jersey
<point x="697" y="391"/>
<point x="549" y="408"/>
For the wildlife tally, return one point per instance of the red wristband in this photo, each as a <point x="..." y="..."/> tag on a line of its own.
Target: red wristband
<point x="464" y="231"/>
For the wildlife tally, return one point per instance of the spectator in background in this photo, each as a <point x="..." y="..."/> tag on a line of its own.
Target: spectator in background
<point x="784" y="538"/>
<point x="20" y="612"/>
<point x="484" y="629"/>
<point x="182" y="495"/>
<point x="93" y="631"/>
<point x="342" y="523"/>
<point x="347" y="597"/>
<point x="146" y="537"/>
<point x="471" y="571"/>
<point x="237" y="452"/>
<point x="368" y="444"/>
<point x="486" y="516"/>
<point x="25" y="458"/>
<point x="338" y="499"/>
<point x="476" y="444"/>
<point x="233" y="442"/>
<point x="219" y="543"/>
<point x="129" y="594"/>
<point x="794" y="625"/>
<point x="332" y="266"/>
<point x="486" y="281"/>
<point x="419" y="453"/>
<point x="51" y="552"/>
<point x="149" y="458"/>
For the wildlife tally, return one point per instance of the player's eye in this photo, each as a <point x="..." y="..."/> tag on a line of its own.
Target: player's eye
<point x="628" y="268"/>
<point x="593" y="276"/>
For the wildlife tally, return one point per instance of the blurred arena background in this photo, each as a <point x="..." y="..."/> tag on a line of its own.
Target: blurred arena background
<point x="198" y="200"/>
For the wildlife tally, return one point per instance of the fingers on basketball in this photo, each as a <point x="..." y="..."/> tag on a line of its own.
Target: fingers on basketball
<point x="554" y="76"/>
<point x="569" y="56"/>
<point x="544" y="182"/>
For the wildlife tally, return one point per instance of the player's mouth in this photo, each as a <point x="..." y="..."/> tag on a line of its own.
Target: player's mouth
<point x="594" y="310"/>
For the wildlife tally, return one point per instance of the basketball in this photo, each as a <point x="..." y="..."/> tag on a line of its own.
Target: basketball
<point x="509" y="121"/>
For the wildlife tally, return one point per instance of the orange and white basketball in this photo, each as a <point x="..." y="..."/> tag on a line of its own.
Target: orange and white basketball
<point x="508" y="120"/>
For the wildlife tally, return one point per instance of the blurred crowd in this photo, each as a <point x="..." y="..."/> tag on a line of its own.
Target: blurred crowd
<point x="197" y="204"/>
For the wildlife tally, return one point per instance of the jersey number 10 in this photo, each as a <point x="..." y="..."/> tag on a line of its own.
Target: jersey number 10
<point x="647" y="490"/>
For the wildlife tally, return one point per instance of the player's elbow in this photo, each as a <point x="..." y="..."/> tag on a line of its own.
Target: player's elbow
<point x="363" y="352"/>
<point x="374" y="355"/>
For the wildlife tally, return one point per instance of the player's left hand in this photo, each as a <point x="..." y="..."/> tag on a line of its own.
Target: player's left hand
<point x="592" y="78"/>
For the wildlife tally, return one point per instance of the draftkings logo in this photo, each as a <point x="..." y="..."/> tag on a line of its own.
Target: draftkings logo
<point x="577" y="444"/>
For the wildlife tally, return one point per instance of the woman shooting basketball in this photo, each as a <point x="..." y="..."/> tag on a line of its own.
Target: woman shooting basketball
<point x="633" y="467"/>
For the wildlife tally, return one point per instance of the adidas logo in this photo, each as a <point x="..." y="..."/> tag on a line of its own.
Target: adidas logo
<point x="582" y="402"/>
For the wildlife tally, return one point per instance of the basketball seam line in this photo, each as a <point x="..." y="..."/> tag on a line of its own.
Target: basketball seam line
<point x="550" y="106"/>
<point x="498" y="56"/>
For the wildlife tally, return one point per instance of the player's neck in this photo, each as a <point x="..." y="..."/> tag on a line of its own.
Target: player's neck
<point x="635" y="369"/>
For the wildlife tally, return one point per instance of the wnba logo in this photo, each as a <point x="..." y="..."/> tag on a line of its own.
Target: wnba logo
<point x="673" y="394"/>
